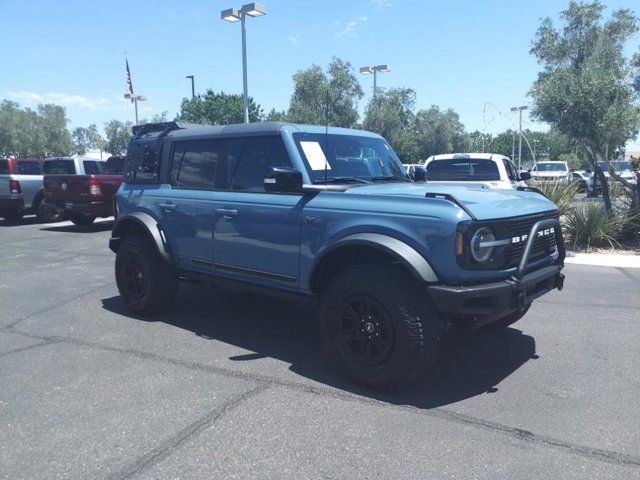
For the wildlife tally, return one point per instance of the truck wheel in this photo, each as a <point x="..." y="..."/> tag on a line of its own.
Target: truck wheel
<point x="379" y="326"/>
<point x="48" y="214"/>
<point x="83" y="220"/>
<point x="508" y="320"/>
<point x="146" y="283"/>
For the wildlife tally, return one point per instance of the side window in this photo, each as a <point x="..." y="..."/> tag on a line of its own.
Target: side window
<point x="4" y="167"/>
<point x="194" y="164"/>
<point x="247" y="159"/>
<point x="91" y="167"/>
<point x="510" y="170"/>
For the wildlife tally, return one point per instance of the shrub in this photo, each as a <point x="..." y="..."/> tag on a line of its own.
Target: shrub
<point x="589" y="225"/>
<point x="558" y="192"/>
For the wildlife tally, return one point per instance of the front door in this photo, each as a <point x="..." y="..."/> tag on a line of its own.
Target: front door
<point x="257" y="234"/>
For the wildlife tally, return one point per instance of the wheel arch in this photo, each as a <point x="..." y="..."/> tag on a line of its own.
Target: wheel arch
<point x="364" y="247"/>
<point x="139" y="223"/>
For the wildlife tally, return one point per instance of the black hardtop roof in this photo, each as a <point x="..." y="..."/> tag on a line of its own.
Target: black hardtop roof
<point x="179" y="130"/>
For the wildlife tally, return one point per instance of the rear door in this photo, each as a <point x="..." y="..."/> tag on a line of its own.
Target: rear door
<point x="186" y="205"/>
<point x="257" y="234"/>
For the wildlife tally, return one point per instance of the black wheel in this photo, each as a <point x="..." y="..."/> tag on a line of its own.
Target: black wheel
<point x="146" y="282"/>
<point x="508" y="320"/>
<point x="379" y="326"/>
<point x="47" y="213"/>
<point x="83" y="220"/>
<point x="12" y="217"/>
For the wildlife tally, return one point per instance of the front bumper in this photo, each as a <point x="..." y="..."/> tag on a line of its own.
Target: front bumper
<point x="485" y="303"/>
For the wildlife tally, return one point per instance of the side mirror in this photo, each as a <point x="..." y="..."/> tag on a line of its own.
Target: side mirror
<point x="525" y="176"/>
<point x="420" y="174"/>
<point x="282" y="179"/>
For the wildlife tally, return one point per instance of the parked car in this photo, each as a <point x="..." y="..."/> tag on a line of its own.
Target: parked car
<point x="584" y="180"/>
<point x="332" y="216"/>
<point x="551" y="172"/>
<point x="83" y="197"/>
<point x="20" y="188"/>
<point x="622" y="169"/>
<point x="487" y="170"/>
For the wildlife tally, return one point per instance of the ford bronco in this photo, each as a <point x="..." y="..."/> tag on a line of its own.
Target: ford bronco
<point x="330" y="214"/>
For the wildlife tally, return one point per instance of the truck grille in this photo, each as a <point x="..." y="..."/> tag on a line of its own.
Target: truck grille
<point x="542" y="246"/>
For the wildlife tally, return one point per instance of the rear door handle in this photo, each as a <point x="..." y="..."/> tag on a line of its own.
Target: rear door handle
<point x="227" y="212"/>
<point x="169" y="207"/>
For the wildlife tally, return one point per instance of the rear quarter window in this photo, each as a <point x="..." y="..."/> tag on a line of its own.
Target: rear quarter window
<point x="29" y="168"/>
<point x="92" y="167"/>
<point x="59" y="167"/>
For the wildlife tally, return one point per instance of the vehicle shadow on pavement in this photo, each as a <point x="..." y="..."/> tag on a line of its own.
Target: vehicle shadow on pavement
<point x="470" y="364"/>
<point x="93" y="228"/>
<point x="23" y="221"/>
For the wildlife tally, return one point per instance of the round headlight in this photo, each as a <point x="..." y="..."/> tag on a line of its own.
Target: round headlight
<point x="482" y="254"/>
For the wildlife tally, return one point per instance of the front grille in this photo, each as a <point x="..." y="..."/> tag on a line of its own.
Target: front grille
<point x="542" y="246"/>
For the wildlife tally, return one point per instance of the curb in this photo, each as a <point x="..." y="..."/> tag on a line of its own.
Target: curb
<point x="603" y="260"/>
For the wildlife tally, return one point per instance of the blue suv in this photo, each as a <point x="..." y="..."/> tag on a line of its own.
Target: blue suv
<point x="330" y="214"/>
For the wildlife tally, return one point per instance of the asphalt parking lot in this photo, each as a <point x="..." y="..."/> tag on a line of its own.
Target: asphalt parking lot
<point x="233" y="385"/>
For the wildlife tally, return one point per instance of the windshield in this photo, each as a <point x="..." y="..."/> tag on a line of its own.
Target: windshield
<point x="462" y="169"/>
<point x="348" y="156"/>
<point x="550" y="167"/>
<point x="617" y="166"/>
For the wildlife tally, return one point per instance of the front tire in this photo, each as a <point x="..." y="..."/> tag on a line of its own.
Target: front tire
<point x="83" y="220"/>
<point x="146" y="283"/>
<point x="379" y="326"/>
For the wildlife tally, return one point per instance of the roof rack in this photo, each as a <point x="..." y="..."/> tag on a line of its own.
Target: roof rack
<point x="162" y="128"/>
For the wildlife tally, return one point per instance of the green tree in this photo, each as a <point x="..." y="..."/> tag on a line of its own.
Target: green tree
<point x="586" y="87"/>
<point x="217" y="109"/>
<point x="85" y="139"/>
<point x="390" y="114"/>
<point x="117" y="135"/>
<point x="277" y="116"/>
<point x="317" y="95"/>
<point x="438" y="131"/>
<point x="478" y="141"/>
<point x="57" y="138"/>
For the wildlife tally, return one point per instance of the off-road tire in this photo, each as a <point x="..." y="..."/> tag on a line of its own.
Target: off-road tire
<point x="159" y="280"/>
<point x="416" y="325"/>
<point x="83" y="220"/>
<point x="510" y="319"/>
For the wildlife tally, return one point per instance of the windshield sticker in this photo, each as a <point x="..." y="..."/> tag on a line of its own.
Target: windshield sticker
<point x="315" y="156"/>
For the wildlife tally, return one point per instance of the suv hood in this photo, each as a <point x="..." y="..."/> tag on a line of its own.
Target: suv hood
<point x="485" y="204"/>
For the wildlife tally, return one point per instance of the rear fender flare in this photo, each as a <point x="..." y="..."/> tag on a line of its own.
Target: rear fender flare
<point x="137" y="221"/>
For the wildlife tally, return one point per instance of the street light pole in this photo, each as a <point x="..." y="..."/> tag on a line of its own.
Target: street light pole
<point x="135" y="99"/>
<point x="519" y="109"/>
<point x="234" y="15"/>
<point x="374" y="70"/>
<point x="193" y="87"/>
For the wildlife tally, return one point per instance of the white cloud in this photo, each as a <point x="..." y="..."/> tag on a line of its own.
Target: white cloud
<point x="364" y="18"/>
<point x="348" y="31"/>
<point x="31" y="99"/>
<point x="381" y="3"/>
<point x="294" y="39"/>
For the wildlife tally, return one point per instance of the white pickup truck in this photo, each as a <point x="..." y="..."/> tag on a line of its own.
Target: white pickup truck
<point x="485" y="170"/>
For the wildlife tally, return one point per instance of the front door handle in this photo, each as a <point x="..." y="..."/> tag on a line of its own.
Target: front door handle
<point x="227" y="212"/>
<point x="169" y="207"/>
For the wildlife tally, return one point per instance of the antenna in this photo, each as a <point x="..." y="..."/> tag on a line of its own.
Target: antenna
<point x="326" y="137"/>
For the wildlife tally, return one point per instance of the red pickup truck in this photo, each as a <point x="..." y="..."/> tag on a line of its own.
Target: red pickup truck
<point x="83" y="198"/>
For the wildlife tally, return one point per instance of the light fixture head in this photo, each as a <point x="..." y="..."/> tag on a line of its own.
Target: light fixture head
<point x="254" y="9"/>
<point x="230" y="15"/>
<point x="366" y="70"/>
<point x="382" y="68"/>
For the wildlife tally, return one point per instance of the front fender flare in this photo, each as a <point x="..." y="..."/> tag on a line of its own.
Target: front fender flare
<point x="407" y="255"/>
<point x="142" y="221"/>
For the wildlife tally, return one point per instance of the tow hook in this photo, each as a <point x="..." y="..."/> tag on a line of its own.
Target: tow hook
<point x="560" y="281"/>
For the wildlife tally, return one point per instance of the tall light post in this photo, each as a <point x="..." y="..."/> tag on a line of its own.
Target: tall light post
<point x="374" y="70"/>
<point x="193" y="86"/>
<point x="135" y="99"/>
<point x="519" y="109"/>
<point x="234" y="15"/>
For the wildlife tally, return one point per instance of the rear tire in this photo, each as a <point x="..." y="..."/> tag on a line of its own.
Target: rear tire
<point x="379" y="325"/>
<point x="48" y="214"/>
<point x="146" y="282"/>
<point x="83" y="220"/>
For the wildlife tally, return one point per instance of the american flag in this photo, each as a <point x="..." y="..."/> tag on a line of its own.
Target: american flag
<point x="129" y="84"/>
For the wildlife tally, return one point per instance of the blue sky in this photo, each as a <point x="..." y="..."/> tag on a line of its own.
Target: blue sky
<point x="472" y="56"/>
